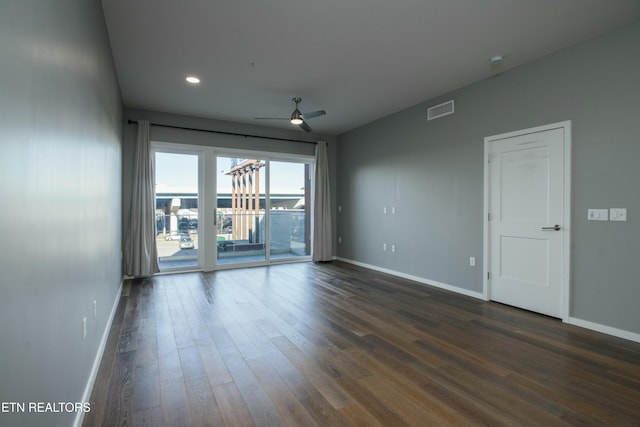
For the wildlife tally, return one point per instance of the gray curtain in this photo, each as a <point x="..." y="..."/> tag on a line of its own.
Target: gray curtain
<point x="140" y="252"/>
<point x="322" y="233"/>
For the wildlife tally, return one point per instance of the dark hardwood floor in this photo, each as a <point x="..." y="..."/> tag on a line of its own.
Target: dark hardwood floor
<point x="333" y="344"/>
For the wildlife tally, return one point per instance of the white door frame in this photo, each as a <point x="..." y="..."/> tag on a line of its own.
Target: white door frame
<point x="566" y="227"/>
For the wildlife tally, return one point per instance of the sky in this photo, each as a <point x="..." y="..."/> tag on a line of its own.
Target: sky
<point x="179" y="173"/>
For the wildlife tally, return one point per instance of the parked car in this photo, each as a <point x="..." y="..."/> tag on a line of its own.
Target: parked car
<point x="186" y="242"/>
<point x="174" y="236"/>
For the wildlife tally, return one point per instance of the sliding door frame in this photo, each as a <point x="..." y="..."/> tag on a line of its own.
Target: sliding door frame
<point x="171" y="148"/>
<point x="207" y="199"/>
<point x="268" y="157"/>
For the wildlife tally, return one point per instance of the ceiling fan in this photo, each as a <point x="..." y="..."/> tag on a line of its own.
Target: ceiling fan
<point x="298" y="118"/>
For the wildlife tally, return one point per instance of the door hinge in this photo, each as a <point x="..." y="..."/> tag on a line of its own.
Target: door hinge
<point x="488" y="275"/>
<point x="488" y="217"/>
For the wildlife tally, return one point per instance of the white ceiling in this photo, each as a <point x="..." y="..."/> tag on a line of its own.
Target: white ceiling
<point x="360" y="60"/>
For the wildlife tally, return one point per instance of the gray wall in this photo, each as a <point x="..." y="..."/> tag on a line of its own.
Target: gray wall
<point x="60" y="175"/>
<point x="432" y="172"/>
<point x="179" y="136"/>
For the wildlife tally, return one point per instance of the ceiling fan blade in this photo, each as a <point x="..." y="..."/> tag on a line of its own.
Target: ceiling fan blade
<point x="270" y="118"/>
<point x="305" y="127"/>
<point x="313" y="114"/>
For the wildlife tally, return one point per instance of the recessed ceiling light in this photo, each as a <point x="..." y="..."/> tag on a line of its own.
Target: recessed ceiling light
<point x="193" y="80"/>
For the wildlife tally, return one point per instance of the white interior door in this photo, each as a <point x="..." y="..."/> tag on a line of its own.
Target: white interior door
<point x="527" y="222"/>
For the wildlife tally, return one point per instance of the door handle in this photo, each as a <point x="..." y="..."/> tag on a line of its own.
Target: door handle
<point x="554" y="228"/>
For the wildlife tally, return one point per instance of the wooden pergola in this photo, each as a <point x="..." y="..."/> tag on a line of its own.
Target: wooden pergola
<point x="245" y="198"/>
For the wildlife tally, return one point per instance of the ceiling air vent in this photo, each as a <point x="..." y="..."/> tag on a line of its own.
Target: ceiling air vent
<point x="440" y="110"/>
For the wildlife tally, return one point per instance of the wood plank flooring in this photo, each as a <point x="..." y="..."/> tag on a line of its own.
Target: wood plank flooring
<point x="336" y="345"/>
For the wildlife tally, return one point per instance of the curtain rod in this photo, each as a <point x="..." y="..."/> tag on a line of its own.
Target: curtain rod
<point x="226" y="133"/>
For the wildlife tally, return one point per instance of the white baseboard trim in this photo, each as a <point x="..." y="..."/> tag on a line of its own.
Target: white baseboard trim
<point x="620" y="333"/>
<point x="86" y="396"/>
<point x="417" y="279"/>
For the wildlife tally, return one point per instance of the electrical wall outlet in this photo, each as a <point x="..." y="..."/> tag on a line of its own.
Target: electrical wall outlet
<point x="472" y="261"/>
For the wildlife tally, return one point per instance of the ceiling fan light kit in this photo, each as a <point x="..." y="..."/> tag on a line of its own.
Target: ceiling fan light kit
<point x="496" y="61"/>
<point x="297" y="117"/>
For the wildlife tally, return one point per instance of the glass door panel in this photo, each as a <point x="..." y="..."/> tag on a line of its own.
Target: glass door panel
<point x="176" y="210"/>
<point x="240" y="211"/>
<point x="289" y="219"/>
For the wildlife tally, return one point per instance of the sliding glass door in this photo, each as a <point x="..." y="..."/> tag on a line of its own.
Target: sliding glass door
<point x="225" y="209"/>
<point x="289" y="219"/>
<point x="262" y="203"/>
<point x="241" y="231"/>
<point x="177" y="210"/>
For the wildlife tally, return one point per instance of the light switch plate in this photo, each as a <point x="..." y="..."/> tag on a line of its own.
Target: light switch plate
<point x="618" y="214"/>
<point x="598" y="214"/>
